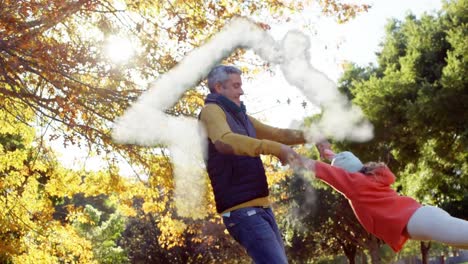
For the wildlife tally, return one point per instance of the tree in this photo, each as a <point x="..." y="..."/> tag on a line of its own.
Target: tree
<point x="31" y="183"/>
<point x="415" y="97"/>
<point x="103" y="228"/>
<point x="53" y="54"/>
<point x="203" y="242"/>
<point x="416" y="102"/>
<point x="56" y="76"/>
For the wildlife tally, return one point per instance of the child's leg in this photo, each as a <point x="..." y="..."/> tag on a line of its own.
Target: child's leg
<point x="433" y="223"/>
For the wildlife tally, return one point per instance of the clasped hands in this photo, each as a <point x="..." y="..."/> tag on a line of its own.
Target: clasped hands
<point x="290" y="157"/>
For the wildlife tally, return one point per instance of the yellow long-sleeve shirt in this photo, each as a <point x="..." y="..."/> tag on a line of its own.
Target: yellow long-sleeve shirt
<point x="268" y="141"/>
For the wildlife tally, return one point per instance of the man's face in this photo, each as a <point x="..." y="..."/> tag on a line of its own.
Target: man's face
<point x="231" y="88"/>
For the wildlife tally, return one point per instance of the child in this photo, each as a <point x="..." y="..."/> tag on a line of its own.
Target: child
<point x="380" y="209"/>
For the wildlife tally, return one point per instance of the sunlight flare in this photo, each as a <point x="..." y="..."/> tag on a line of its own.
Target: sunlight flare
<point x="119" y="49"/>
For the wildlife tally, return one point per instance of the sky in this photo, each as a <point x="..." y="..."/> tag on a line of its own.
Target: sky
<point x="332" y="44"/>
<point x="267" y="96"/>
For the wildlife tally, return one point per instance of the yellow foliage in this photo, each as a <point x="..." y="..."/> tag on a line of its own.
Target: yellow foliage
<point x="77" y="214"/>
<point x="274" y="171"/>
<point x="171" y="231"/>
<point x="60" y="245"/>
<point x="9" y="124"/>
<point x="28" y="232"/>
<point x="125" y="207"/>
<point x="96" y="183"/>
<point x="63" y="183"/>
<point x="152" y="207"/>
<point x="12" y="159"/>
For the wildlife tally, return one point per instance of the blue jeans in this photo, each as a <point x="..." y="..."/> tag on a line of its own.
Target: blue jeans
<point x="256" y="230"/>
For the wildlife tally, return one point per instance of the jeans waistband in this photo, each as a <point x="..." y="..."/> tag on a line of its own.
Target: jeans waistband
<point x="228" y="214"/>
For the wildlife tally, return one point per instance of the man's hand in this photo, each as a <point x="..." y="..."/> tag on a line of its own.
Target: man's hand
<point x="308" y="164"/>
<point x="263" y="26"/>
<point x="288" y="155"/>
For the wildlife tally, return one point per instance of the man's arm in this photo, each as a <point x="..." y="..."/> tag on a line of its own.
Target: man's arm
<point x="228" y="142"/>
<point x="285" y="136"/>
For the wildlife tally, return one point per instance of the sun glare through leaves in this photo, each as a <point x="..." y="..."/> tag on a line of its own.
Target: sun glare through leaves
<point x="119" y="49"/>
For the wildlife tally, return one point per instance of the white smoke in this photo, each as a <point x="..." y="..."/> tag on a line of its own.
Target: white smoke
<point x="145" y="122"/>
<point x="340" y="119"/>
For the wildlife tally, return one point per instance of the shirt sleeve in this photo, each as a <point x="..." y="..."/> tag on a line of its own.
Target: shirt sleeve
<point x="214" y="120"/>
<point x="285" y="136"/>
<point x="341" y="180"/>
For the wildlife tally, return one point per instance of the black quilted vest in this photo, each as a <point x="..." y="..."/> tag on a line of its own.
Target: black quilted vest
<point x="235" y="179"/>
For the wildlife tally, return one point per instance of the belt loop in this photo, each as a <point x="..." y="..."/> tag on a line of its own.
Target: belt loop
<point x="227" y="214"/>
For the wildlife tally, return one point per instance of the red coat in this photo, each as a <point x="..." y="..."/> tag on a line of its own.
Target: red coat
<point x="379" y="209"/>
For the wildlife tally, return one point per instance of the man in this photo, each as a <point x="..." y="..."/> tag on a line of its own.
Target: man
<point x="235" y="142"/>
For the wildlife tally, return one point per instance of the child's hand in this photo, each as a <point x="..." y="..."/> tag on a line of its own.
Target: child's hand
<point x="324" y="148"/>
<point x="328" y="154"/>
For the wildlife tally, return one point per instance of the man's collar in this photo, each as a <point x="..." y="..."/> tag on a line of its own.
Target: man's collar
<point x="233" y="107"/>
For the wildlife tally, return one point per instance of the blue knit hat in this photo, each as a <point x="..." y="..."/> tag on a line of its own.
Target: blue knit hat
<point x="347" y="161"/>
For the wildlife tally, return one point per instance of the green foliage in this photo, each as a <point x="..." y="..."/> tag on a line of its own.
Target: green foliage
<point x="103" y="229"/>
<point x="416" y="98"/>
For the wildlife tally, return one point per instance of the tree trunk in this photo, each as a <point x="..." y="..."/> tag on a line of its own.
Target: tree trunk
<point x="375" y="258"/>
<point x="425" y="251"/>
<point x="363" y="258"/>
<point x="374" y="251"/>
<point x="350" y="252"/>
